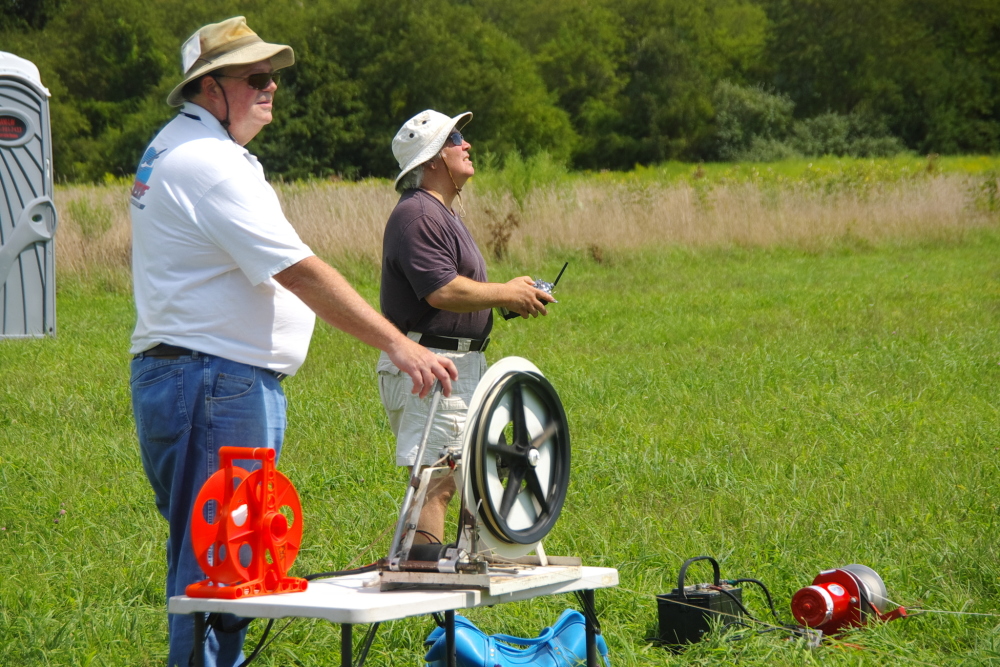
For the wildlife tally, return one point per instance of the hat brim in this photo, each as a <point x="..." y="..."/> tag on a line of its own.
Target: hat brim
<point x="280" y="55"/>
<point x="434" y="147"/>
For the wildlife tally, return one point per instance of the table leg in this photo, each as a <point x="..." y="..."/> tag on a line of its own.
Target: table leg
<point x="346" y="644"/>
<point x="449" y="637"/>
<point x="592" y="658"/>
<point x="199" y="639"/>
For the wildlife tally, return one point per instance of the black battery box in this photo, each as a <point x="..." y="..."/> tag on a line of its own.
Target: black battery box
<point x="687" y="613"/>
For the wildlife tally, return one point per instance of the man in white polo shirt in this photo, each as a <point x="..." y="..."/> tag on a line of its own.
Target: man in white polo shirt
<point x="225" y="295"/>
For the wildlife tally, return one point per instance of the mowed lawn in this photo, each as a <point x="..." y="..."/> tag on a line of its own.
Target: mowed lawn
<point x="783" y="411"/>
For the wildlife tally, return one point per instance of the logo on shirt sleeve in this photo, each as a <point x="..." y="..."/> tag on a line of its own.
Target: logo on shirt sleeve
<point x="142" y="175"/>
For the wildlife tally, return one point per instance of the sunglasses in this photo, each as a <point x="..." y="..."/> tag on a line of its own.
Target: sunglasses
<point x="456" y="138"/>
<point x="258" y="81"/>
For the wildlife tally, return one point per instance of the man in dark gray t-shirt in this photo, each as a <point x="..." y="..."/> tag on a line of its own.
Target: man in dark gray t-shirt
<point x="425" y="247"/>
<point x="435" y="290"/>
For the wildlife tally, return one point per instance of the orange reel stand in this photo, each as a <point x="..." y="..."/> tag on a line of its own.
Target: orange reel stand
<point x="246" y="529"/>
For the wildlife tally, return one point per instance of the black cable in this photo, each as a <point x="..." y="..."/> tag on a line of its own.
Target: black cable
<point x="433" y="539"/>
<point x="739" y="604"/>
<point x="589" y="611"/>
<point x="369" y="638"/>
<point x="225" y="123"/>
<point x="214" y="621"/>
<point x="767" y="593"/>
<point x="729" y="626"/>
<point x="278" y="632"/>
<point x="340" y="573"/>
<point x="260" y="644"/>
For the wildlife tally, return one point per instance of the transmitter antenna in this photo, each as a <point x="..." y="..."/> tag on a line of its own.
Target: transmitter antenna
<point x="556" y="281"/>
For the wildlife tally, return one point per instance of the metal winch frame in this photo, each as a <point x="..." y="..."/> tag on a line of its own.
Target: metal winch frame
<point x="513" y="473"/>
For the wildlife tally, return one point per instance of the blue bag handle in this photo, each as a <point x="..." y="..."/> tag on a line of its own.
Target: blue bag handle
<point x="544" y="637"/>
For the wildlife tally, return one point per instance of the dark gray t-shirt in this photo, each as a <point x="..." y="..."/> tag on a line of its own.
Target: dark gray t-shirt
<point x="424" y="248"/>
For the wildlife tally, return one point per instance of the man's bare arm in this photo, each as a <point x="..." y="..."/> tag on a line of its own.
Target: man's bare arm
<point x="331" y="297"/>
<point x="463" y="295"/>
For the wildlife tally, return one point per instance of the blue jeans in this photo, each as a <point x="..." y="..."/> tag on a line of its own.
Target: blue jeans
<point x="185" y="410"/>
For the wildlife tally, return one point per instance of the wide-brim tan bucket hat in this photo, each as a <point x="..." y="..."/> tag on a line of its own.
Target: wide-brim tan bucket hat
<point x="230" y="42"/>
<point x="422" y="137"/>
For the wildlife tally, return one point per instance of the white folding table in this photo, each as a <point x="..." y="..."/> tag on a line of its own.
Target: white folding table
<point x="356" y="598"/>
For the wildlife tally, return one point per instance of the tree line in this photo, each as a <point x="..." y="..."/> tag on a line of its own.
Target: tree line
<point x="595" y="84"/>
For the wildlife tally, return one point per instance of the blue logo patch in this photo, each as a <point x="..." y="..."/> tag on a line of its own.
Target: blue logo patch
<point x="143" y="173"/>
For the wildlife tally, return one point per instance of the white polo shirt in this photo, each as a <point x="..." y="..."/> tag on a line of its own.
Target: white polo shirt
<point x="208" y="234"/>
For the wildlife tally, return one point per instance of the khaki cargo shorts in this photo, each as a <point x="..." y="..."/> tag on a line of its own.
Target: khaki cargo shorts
<point x="407" y="413"/>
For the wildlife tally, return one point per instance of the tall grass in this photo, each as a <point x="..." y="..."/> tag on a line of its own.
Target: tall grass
<point x="532" y="206"/>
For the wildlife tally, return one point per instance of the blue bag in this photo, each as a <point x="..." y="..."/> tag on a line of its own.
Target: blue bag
<point x="562" y="645"/>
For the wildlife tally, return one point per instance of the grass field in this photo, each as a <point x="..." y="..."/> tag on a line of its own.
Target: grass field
<point x="785" y="410"/>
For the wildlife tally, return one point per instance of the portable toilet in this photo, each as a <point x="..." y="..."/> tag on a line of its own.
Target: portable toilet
<point x="27" y="214"/>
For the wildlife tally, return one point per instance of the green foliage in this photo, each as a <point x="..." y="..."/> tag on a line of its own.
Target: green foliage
<point x="102" y="75"/>
<point x="320" y="119"/>
<point x="757" y="126"/>
<point x="930" y="68"/>
<point x="519" y="176"/>
<point x="827" y="173"/>
<point x="368" y="67"/>
<point x="598" y="84"/>
<point x="27" y="14"/>
<point x="853" y="134"/>
<point x="579" y="49"/>
<point x="675" y="51"/>
<point x="746" y="117"/>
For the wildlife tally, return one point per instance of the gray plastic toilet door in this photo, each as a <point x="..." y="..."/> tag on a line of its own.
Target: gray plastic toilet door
<point x="27" y="214"/>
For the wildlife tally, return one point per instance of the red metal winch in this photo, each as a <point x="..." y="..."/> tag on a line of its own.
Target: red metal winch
<point x="843" y="597"/>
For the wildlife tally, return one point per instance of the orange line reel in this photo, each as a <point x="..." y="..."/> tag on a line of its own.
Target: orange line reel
<point x="246" y="529"/>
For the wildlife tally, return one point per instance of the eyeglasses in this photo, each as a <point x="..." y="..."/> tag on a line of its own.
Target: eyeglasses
<point x="456" y="138"/>
<point x="258" y="81"/>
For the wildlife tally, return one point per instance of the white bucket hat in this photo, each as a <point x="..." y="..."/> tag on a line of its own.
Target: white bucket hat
<point x="230" y="42"/>
<point x="422" y="137"/>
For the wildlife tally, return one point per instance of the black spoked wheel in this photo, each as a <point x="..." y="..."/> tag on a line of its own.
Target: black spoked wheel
<point x="520" y="456"/>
